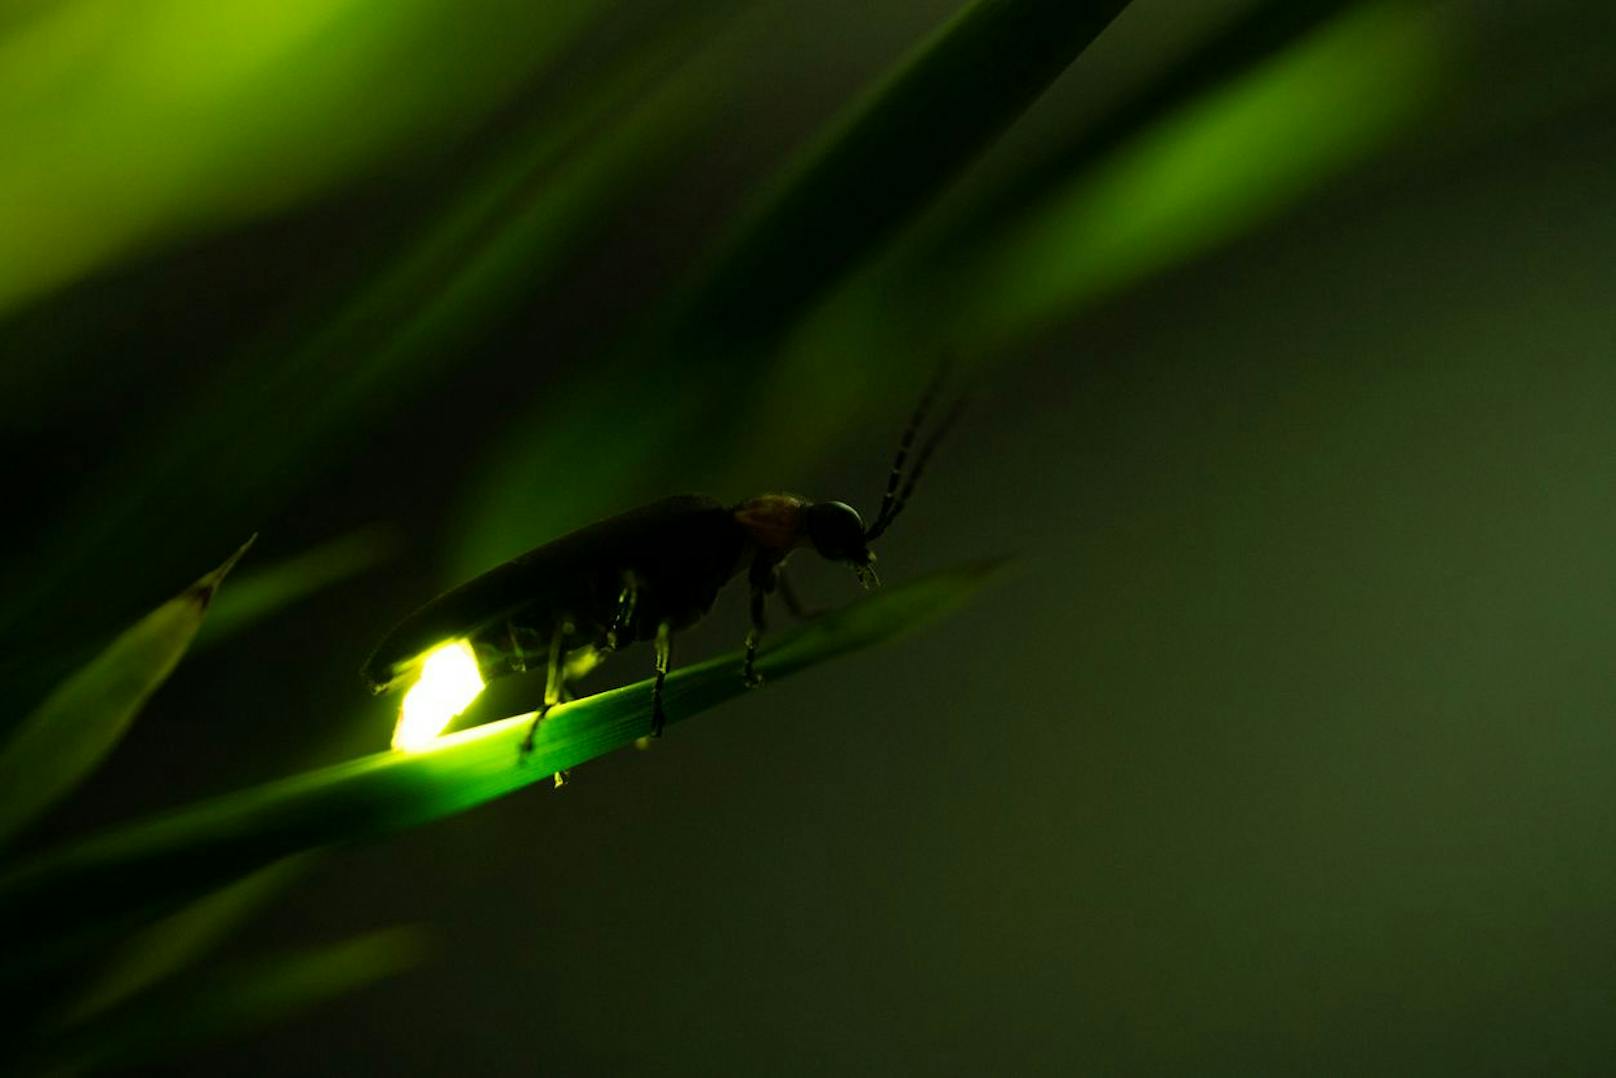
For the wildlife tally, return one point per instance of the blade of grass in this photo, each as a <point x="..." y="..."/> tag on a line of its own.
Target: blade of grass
<point x="74" y="728"/>
<point x="531" y="200"/>
<point x="867" y="176"/>
<point x="1235" y="157"/>
<point x="1251" y="38"/>
<point x="139" y="871"/>
<point x="260" y="119"/>
<point x="879" y="165"/>
<point x="256" y="595"/>
<point x="1265" y="116"/>
<point x="163" y="949"/>
<point x="246" y="997"/>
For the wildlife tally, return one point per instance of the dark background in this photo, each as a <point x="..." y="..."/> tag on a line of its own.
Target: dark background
<point x="1285" y="745"/>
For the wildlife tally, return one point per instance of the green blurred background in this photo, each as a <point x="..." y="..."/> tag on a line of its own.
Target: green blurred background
<point x="1286" y="747"/>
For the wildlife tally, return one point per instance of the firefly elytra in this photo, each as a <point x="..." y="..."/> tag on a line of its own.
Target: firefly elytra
<point x="644" y="575"/>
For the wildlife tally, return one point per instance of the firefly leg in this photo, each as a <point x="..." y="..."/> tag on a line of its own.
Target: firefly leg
<point x="749" y="673"/>
<point x="763" y="575"/>
<point x="555" y="674"/>
<point x="664" y="655"/>
<point x="518" y="659"/>
<point x="623" y="620"/>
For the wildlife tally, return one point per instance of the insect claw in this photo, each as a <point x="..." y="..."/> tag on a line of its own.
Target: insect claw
<point x="752" y="679"/>
<point x="664" y="656"/>
<point x="525" y="749"/>
<point x="562" y="777"/>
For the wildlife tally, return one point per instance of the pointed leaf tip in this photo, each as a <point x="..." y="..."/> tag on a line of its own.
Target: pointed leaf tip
<point x="206" y="585"/>
<point x="65" y="738"/>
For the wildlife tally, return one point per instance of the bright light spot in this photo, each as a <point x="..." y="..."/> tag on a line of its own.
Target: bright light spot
<point x="449" y="682"/>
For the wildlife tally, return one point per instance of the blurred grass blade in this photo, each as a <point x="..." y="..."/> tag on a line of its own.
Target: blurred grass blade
<point x="179" y="939"/>
<point x="68" y="735"/>
<point x="1231" y="159"/>
<point x="884" y="161"/>
<point x="255" y="595"/>
<point x="247" y="997"/>
<point x="1199" y="158"/>
<point x="257" y="103"/>
<point x="139" y="871"/>
<point x="872" y="172"/>
<point x="1251" y="38"/>
<point x="527" y="204"/>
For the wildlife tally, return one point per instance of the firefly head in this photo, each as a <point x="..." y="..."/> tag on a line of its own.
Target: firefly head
<point x="837" y="532"/>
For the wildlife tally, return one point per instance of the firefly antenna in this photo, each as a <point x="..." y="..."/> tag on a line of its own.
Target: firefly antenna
<point x="893" y="501"/>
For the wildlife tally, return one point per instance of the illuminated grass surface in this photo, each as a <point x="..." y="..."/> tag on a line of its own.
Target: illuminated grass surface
<point x="132" y="873"/>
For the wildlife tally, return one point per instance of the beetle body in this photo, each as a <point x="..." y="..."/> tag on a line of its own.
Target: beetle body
<point x="680" y="550"/>
<point x="641" y="575"/>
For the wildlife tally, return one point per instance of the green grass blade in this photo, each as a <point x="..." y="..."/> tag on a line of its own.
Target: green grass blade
<point x="246" y="997"/>
<point x="1235" y="157"/>
<point x="262" y="120"/>
<point x="258" y="594"/>
<point x="164" y="948"/>
<point x="1262" y="117"/>
<point x="1250" y="39"/>
<point x="885" y="160"/>
<point x="76" y="726"/>
<point x="871" y="173"/>
<point x="529" y="204"/>
<point x="140" y="870"/>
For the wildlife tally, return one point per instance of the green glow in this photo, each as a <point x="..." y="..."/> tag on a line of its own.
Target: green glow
<point x="181" y="854"/>
<point x="130" y="123"/>
<point x="449" y="682"/>
<point x="1217" y="169"/>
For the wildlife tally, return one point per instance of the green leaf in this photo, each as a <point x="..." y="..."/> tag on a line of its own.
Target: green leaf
<point x="72" y="731"/>
<point x="528" y="204"/>
<point x="883" y="161"/>
<point x="215" y="1007"/>
<point x="261" y="120"/>
<point x="1229" y="53"/>
<point x="1232" y="158"/>
<point x="1286" y="98"/>
<point x="139" y="870"/>
<point x="871" y="173"/>
<point x="262" y="592"/>
<point x="179" y="939"/>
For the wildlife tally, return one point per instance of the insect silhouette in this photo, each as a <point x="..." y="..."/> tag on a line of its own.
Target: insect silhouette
<point x="644" y="575"/>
